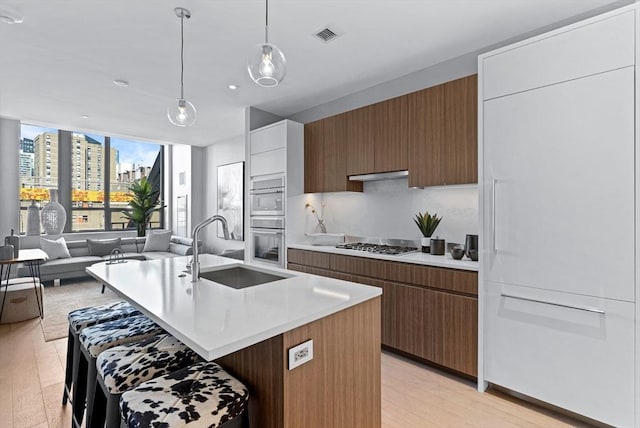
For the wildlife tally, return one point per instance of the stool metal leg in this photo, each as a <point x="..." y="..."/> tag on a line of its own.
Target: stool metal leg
<point x="91" y="388"/>
<point x="68" y="374"/>
<point x="79" y="391"/>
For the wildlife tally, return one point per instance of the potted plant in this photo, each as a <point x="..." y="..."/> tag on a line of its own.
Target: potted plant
<point x="143" y="204"/>
<point x="427" y="224"/>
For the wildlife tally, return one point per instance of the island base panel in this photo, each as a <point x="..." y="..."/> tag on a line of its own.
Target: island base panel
<point x="339" y="387"/>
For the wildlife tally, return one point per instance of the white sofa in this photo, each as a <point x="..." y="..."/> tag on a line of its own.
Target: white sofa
<point x="74" y="267"/>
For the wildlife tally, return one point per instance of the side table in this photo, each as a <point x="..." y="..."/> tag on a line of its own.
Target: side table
<point x="32" y="258"/>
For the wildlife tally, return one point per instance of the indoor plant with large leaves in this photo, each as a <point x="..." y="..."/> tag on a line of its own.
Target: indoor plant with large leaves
<point x="144" y="202"/>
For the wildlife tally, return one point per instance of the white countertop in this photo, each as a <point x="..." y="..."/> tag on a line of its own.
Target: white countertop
<point x="416" y="258"/>
<point x="216" y="320"/>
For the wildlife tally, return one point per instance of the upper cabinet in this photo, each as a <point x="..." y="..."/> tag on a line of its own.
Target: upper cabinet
<point x="443" y="146"/>
<point x="325" y="157"/>
<point x="359" y="140"/>
<point x="390" y="135"/>
<point x="460" y="131"/>
<point x="431" y="133"/>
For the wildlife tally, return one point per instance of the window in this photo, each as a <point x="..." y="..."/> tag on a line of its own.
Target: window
<point x="126" y="162"/>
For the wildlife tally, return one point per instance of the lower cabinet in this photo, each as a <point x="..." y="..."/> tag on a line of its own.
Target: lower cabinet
<point x="423" y="312"/>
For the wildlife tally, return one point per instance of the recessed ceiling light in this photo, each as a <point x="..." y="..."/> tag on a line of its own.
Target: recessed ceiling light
<point x="233" y="87"/>
<point x="10" y="17"/>
<point x="121" y="83"/>
<point x="84" y="116"/>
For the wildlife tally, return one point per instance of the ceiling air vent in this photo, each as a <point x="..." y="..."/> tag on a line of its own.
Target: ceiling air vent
<point x="326" y="34"/>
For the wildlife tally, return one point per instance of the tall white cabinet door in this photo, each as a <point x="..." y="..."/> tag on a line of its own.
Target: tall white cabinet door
<point x="559" y="187"/>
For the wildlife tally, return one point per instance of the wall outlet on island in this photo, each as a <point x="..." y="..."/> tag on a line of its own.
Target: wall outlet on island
<point x="300" y="354"/>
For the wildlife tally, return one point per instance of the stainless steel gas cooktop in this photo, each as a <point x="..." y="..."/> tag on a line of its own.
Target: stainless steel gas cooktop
<point x="378" y="248"/>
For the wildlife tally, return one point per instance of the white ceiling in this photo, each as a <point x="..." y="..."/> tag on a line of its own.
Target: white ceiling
<point x="60" y="63"/>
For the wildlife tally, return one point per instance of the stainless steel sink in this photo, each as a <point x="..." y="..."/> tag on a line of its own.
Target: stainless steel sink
<point x="241" y="276"/>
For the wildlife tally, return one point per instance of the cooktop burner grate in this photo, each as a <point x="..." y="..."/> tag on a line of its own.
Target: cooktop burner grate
<point x="377" y="248"/>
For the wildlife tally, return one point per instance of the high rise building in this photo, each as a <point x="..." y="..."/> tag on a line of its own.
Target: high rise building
<point x="87" y="162"/>
<point x="26" y="145"/>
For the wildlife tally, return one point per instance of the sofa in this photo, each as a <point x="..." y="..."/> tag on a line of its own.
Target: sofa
<point x="81" y="257"/>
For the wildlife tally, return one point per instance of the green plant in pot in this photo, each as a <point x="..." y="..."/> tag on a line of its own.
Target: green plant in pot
<point x="144" y="202"/>
<point x="427" y="223"/>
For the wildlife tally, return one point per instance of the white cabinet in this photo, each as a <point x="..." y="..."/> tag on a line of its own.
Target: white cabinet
<point x="576" y="352"/>
<point x="270" y="137"/>
<point x="276" y="149"/>
<point x="570" y="53"/>
<point x="271" y="162"/>
<point x="562" y="158"/>
<point x="558" y="193"/>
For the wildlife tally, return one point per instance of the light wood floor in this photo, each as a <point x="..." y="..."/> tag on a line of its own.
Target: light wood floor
<point x="32" y="377"/>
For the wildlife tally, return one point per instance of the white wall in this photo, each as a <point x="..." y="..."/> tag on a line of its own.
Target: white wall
<point x="221" y="153"/>
<point x="386" y="208"/>
<point x="181" y="159"/>
<point x="9" y="176"/>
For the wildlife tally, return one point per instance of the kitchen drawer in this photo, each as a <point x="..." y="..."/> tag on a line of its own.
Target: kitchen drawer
<point x="585" y="49"/>
<point x="309" y="258"/>
<point x="269" y="138"/>
<point x="271" y="162"/>
<point x="564" y="351"/>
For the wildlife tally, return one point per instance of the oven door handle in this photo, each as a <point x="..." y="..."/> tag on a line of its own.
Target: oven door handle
<point x="267" y="232"/>
<point x="266" y="191"/>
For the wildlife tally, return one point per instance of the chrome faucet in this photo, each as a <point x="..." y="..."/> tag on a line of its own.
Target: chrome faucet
<point x="195" y="265"/>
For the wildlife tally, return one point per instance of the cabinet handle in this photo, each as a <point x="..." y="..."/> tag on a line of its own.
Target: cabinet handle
<point x="580" y="308"/>
<point x="493" y="214"/>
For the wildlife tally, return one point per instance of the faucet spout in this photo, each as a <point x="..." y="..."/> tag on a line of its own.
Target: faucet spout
<point x="195" y="265"/>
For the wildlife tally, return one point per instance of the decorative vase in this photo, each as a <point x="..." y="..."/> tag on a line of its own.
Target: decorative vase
<point x="33" y="219"/>
<point x="425" y="243"/>
<point x="13" y="240"/>
<point x="320" y="227"/>
<point x="53" y="215"/>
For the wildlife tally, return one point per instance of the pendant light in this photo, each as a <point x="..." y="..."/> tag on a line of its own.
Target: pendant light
<point x="181" y="112"/>
<point x="267" y="64"/>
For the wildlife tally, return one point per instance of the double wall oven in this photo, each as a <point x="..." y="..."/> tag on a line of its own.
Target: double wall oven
<point x="267" y="222"/>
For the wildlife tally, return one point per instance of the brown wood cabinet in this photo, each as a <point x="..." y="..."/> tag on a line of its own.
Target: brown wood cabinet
<point x="359" y="141"/>
<point x="461" y="131"/>
<point x="327" y="157"/>
<point x="428" y="312"/>
<point x="390" y="149"/>
<point x="432" y="133"/>
<point x="313" y="157"/>
<point x="443" y="147"/>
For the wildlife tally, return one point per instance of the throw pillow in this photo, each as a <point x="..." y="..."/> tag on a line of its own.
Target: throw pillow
<point x="103" y="247"/>
<point x="157" y="241"/>
<point x="55" y="249"/>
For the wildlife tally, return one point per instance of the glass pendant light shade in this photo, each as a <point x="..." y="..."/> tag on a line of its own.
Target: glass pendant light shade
<point x="181" y="113"/>
<point x="267" y="65"/>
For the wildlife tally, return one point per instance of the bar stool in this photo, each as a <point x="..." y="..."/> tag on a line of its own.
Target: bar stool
<point x="200" y="395"/>
<point x="96" y="339"/>
<point x="124" y="367"/>
<point x="83" y="318"/>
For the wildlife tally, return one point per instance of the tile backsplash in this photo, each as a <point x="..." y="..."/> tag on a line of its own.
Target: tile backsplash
<point x="386" y="209"/>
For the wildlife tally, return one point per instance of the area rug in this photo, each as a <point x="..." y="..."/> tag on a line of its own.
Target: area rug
<point x="59" y="301"/>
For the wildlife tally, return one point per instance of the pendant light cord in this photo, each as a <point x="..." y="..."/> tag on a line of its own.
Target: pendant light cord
<point x="182" y="55"/>
<point x="266" y="22"/>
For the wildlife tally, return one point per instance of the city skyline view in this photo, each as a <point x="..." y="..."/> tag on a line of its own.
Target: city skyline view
<point x="129" y="151"/>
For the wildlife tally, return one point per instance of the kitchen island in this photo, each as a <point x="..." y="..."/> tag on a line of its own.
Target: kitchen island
<point x="250" y="331"/>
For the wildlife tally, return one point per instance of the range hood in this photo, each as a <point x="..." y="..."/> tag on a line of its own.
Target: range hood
<point x="379" y="176"/>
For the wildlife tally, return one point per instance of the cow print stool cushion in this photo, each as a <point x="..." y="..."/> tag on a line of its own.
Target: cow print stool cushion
<point x="126" y="366"/>
<point x="202" y="395"/>
<point x="86" y="317"/>
<point x="103" y="336"/>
